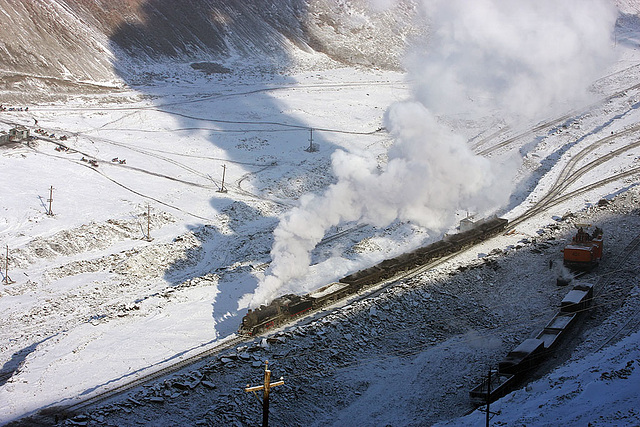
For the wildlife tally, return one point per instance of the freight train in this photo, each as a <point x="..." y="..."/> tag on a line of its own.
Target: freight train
<point x="532" y="351"/>
<point x="285" y="308"/>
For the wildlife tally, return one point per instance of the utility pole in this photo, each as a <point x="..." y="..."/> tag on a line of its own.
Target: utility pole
<point x="311" y="148"/>
<point x="147" y="237"/>
<point x="7" y="280"/>
<point x="224" y="171"/>
<point x="265" y="395"/>
<point x="50" y="200"/>
<point x="149" y="223"/>
<point x="488" y="411"/>
<point x="488" y="396"/>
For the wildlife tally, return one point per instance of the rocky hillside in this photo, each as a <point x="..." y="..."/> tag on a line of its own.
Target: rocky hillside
<point x="82" y="44"/>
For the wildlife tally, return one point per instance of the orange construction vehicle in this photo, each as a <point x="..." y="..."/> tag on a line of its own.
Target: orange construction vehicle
<point x="585" y="250"/>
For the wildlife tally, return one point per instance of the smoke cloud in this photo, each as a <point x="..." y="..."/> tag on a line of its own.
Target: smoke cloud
<point x="522" y="57"/>
<point x="485" y="57"/>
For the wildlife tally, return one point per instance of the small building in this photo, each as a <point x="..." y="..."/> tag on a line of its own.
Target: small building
<point x="19" y="133"/>
<point x="4" y="134"/>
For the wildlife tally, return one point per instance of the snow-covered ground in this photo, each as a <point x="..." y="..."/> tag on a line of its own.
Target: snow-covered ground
<point x="94" y="303"/>
<point x="85" y="278"/>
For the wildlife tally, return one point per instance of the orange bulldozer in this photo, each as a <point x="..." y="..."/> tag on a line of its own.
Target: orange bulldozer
<point x="585" y="250"/>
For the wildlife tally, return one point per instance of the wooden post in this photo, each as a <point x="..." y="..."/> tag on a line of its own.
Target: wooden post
<point x="266" y="388"/>
<point x="265" y="399"/>
<point x="50" y="200"/>
<point x="148" y="237"/>
<point x="148" y="222"/>
<point x="488" y="395"/>
<point x="6" y="268"/>
<point x="311" y="148"/>
<point x="7" y="280"/>
<point x="224" y="171"/>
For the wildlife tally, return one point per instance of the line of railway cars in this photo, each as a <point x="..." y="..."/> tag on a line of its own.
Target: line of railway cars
<point x="532" y="351"/>
<point x="285" y="308"/>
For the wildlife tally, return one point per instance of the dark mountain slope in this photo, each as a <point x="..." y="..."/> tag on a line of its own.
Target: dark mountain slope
<point x="59" y="44"/>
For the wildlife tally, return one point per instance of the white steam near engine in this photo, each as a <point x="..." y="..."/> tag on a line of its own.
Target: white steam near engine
<point x="484" y="57"/>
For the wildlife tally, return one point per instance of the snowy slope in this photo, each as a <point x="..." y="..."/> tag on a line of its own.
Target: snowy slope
<point x="54" y="48"/>
<point x="600" y="389"/>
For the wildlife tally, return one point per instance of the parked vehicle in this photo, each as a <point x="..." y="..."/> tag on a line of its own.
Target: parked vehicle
<point x="585" y="250"/>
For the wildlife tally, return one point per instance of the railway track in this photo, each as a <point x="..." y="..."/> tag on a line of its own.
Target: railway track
<point x="632" y="322"/>
<point x="150" y="376"/>
<point x="569" y="175"/>
<point x="557" y="199"/>
<point x="143" y="378"/>
<point x="207" y="177"/>
<point x="319" y="314"/>
<point x="104" y="395"/>
<point x="545" y="125"/>
<point x="215" y="184"/>
<point x="629" y="326"/>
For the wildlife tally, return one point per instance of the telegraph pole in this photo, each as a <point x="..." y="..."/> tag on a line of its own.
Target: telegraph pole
<point x="148" y="237"/>
<point x="7" y="280"/>
<point x="311" y="148"/>
<point x="488" y="411"/>
<point x="224" y="171"/>
<point x="265" y="394"/>
<point x="149" y="223"/>
<point x="488" y="397"/>
<point x="50" y="200"/>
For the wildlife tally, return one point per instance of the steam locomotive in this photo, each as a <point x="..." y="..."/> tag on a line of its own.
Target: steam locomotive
<point x="287" y="307"/>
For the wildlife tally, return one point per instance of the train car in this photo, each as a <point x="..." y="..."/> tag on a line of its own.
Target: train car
<point x="330" y="293"/>
<point x="532" y="351"/>
<point x="491" y="388"/>
<point x="555" y="329"/>
<point x="562" y="320"/>
<point x="479" y="231"/>
<point x="433" y="251"/>
<point x="578" y="299"/>
<point x="465" y="239"/>
<point x="523" y="358"/>
<point x="494" y="225"/>
<point x="399" y="264"/>
<point x="585" y="250"/>
<point x="550" y="337"/>
<point x="364" y="277"/>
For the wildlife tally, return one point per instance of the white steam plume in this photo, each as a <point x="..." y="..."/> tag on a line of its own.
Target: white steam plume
<point x="523" y="56"/>
<point x="483" y="57"/>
